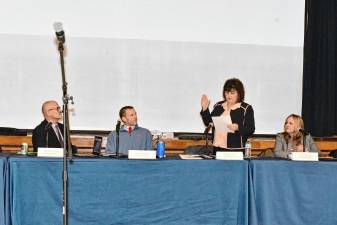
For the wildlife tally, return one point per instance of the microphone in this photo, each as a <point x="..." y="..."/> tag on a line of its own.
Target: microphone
<point x="118" y="126"/>
<point x="210" y="125"/>
<point x="59" y="32"/>
<point x="303" y="132"/>
<point x="304" y="137"/>
<point x="47" y="127"/>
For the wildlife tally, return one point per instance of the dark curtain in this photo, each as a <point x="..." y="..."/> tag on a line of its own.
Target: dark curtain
<point x="319" y="103"/>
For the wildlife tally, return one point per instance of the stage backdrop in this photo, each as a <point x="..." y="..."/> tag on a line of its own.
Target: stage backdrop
<point x="159" y="56"/>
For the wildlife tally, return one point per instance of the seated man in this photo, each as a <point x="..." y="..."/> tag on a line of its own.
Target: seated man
<point x="49" y="133"/>
<point x="131" y="136"/>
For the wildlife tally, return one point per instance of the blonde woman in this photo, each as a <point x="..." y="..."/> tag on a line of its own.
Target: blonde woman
<point x="291" y="140"/>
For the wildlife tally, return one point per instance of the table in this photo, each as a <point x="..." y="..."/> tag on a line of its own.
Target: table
<point x="108" y="191"/>
<point x="103" y="191"/>
<point x="293" y="193"/>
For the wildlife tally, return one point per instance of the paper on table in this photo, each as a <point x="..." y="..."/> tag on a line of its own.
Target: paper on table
<point x="182" y="156"/>
<point x="221" y="122"/>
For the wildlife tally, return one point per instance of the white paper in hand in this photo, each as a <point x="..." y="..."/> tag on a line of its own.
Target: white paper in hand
<point x="221" y="122"/>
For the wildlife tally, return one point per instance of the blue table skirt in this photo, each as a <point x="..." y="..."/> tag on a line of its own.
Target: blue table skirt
<point x="129" y="192"/>
<point x="169" y="192"/>
<point x="294" y="193"/>
<point x="3" y="171"/>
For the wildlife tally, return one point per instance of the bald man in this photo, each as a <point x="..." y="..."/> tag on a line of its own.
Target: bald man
<point x="49" y="133"/>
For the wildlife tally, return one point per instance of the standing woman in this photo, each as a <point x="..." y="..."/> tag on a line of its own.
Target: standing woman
<point x="241" y="114"/>
<point x="291" y="140"/>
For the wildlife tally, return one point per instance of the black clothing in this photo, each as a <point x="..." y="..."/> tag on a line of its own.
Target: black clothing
<point x="44" y="136"/>
<point x="243" y="116"/>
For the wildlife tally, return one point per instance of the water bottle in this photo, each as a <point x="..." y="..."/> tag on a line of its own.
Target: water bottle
<point x="248" y="149"/>
<point x="160" y="148"/>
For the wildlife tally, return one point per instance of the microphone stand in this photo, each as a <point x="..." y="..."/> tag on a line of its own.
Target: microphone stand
<point x="208" y="128"/>
<point x="66" y="137"/>
<point x="117" y="144"/>
<point x="304" y="137"/>
<point x="304" y="134"/>
<point x="47" y="139"/>
<point x="206" y="138"/>
<point x="47" y="134"/>
<point x="118" y="127"/>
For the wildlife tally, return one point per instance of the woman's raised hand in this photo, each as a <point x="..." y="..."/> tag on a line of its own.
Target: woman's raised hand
<point x="204" y="102"/>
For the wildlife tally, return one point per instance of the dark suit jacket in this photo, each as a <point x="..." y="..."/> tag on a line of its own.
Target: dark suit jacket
<point x="40" y="134"/>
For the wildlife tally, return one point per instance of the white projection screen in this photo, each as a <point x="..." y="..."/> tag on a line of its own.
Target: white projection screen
<point x="157" y="55"/>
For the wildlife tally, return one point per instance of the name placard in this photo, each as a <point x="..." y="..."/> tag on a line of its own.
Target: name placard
<point x="50" y="152"/>
<point x="142" y="154"/>
<point x="304" y="156"/>
<point x="228" y="155"/>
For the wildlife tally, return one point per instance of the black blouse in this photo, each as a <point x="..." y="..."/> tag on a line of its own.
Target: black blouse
<point x="243" y="116"/>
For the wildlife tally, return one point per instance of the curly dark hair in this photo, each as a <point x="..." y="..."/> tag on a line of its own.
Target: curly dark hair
<point x="235" y="84"/>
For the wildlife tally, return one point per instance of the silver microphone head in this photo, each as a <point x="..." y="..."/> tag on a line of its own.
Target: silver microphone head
<point x="58" y="27"/>
<point x="59" y="32"/>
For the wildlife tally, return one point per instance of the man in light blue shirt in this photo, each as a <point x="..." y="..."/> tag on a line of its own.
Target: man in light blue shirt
<point x="131" y="136"/>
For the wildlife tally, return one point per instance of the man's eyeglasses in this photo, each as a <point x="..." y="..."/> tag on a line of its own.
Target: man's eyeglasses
<point x="58" y="109"/>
